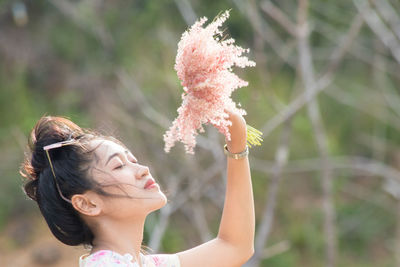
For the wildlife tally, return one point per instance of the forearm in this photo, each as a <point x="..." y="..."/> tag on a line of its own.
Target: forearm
<point x="234" y="244"/>
<point x="238" y="223"/>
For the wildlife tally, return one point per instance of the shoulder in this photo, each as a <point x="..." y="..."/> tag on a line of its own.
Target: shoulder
<point x="106" y="258"/>
<point x="162" y="260"/>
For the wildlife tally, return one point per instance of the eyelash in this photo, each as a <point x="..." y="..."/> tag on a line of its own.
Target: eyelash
<point x="120" y="166"/>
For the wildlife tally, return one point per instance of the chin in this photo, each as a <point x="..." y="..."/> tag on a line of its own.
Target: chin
<point x="164" y="201"/>
<point x="161" y="202"/>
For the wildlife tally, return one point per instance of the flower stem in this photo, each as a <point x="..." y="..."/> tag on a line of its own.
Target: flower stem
<point x="254" y="136"/>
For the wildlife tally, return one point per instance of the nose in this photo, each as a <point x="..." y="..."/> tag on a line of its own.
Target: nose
<point x="143" y="172"/>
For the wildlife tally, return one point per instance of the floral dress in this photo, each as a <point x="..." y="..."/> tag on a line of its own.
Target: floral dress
<point x="108" y="258"/>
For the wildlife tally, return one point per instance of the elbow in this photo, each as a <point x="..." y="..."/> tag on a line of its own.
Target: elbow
<point x="249" y="250"/>
<point x="241" y="251"/>
<point x="250" y="253"/>
<point x="246" y="254"/>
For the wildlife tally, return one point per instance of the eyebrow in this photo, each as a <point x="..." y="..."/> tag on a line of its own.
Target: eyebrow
<point x="115" y="154"/>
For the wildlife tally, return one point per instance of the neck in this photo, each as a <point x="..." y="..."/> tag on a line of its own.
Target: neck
<point x="120" y="236"/>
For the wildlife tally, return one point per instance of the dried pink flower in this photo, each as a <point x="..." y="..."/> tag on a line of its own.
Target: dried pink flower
<point x="204" y="65"/>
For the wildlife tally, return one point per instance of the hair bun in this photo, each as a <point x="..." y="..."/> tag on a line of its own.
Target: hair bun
<point x="48" y="130"/>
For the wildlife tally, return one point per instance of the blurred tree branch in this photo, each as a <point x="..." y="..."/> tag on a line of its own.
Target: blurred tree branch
<point x="321" y="84"/>
<point x="265" y="225"/>
<point x="95" y="28"/>
<point x="307" y="74"/>
<point x="379" y="28"/>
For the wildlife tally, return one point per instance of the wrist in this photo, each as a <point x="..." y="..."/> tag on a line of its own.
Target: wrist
<point x="236" y="155"/>
<point x="236" y="147"/>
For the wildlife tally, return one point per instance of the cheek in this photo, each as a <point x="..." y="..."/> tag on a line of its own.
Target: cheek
<point x="121" y="207"/>
<point x="122" y="190"/>
<point x="122" y="178"/>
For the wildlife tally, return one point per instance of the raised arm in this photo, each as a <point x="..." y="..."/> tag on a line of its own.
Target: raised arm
<point x="234" y="244"/>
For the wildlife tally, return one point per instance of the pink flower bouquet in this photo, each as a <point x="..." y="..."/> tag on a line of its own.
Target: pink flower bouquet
<point x="204" y="65"/>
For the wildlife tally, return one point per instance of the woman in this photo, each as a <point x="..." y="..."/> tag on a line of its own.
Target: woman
<point x="93" y="191"/>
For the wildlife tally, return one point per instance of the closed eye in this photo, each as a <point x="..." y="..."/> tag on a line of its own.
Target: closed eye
<point x="119" y="167"/>
<point x="130" y="158"/>
<point x="122" y="165"/>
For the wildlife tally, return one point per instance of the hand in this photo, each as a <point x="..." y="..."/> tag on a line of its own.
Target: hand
<point x="238" y="131"/>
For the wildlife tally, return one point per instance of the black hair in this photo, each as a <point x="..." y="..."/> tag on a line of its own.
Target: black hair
<point x="71" y="165"/>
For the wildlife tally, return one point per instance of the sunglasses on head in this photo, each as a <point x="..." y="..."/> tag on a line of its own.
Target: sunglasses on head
<point x="57" y="145"/>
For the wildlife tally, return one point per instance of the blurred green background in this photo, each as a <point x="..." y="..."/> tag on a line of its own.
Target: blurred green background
<point x="327" y="174"/>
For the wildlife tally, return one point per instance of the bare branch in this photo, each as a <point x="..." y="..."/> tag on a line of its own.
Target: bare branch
<point x="345" y="98"/>
<point x="182" y="197"/>
<point x="261" y="27"/>
<point x="296" y="105"/>
<point x="358" y="50"/>
<point x="187" y="11"/>
<point x="307" y="74"/>
<point x="265" y="225"/>
<point x="280" y="17"/>
<point x="196" y="215"/>
<point x="387" y="12"/>
<point x="160" y="228"/>
<point x="96" y="29"/>
<point x="345" y="44"/>
<point x="397" y="240"/>
<point x="362" y="165"/>
<point x="379" y="27"/>
<point x="276" y="249"/>
<point x="320" y="85"/>
<point x="359" y="192"/>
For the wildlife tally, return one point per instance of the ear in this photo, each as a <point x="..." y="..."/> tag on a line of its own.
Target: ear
<point x="87" y="203"/>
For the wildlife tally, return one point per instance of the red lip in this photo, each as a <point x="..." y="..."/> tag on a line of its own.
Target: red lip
<point x="149" y="183"/>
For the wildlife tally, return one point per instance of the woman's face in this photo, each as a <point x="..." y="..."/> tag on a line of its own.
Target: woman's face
<point x="118" y="172"/>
